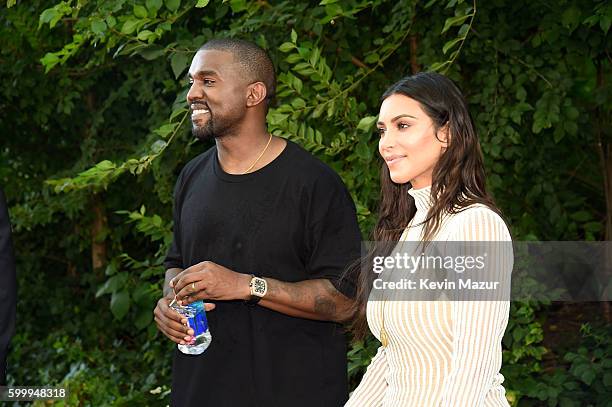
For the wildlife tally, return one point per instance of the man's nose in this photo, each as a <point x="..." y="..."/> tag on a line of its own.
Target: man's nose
<point x="195" y="93"/>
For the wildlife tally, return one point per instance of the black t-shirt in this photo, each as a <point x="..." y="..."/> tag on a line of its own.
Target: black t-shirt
<point x="292" y="220"/>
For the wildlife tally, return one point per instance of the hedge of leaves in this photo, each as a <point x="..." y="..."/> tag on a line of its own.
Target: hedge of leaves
<point x="95" y="131"/>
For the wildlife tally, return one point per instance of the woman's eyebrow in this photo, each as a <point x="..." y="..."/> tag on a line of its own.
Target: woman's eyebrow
<point x="398" y="117"/>
<point x="402" y="115"/>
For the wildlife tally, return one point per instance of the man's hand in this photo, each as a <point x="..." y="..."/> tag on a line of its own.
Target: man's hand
<point x="208" y="280"/>
<point x="171" y="323"/>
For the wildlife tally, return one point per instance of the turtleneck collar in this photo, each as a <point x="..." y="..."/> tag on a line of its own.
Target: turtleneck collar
<point x="422" y="198"/>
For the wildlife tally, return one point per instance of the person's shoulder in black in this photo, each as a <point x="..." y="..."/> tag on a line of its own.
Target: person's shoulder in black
<point x="317" y="175"/>
<point x="195" y="165"/>
<point x="332" y="231"/>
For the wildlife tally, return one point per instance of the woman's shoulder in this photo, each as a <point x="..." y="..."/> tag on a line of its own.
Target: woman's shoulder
<point x="478" y="222"/>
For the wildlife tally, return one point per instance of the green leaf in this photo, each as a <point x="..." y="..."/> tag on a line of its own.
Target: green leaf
<point x="572" y="113"/>
<point x="571" y="127"/>
<point x="179" y="62"/>
<point x="607" y="379"/>
<point x="144" y="35"/>
<point x="120" y="304"/>
<point x="140" y="11"/>
<point x="593" y="227"/>
<point x="47" y="16"/>
<point x="366" y="123"/>
<point x="333" y="10"/>
<point x="10" y="3"/>
<point x="363" y="150"/>
<point x="298" y="103"/>
<point x="202" y="3"/>
<point x="437" y="66"/>
<point x="454" y="21"/>
<point x="165" y="130"/>
<point x="153" y="5"/>
<point x="111" y="21"/>
<point x="144" y="318"/>
<point x="293" y="36"/>
<point x="318" y="111"/>
<point x="450" y="44"/>
<point x="286" y="47"/>
<point x="238" y="5"/>
<point x="113" y="284"/>
<point x="581" y="216"/>
<point x="293" y="58"/>
<point x="604" y="23"/>
<point x="158" y="146"/>
<point x="371" y="58"/>
<point x="588" y="376"/>
<point x="571" y="18"/>
<point x="141" y="295"/>
<point x="98" y="27"/>
<point x="151" y="52"/>
<point x="130" y="26"/>
<point x="177" y="112"/>
<point x="324" y="2"/>
<point x="297" y="84"/>
<point x="172" y="5"/>
<point x="49" y="61"/>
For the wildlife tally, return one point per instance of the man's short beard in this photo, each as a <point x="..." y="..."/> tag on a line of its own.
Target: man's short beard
<point x="214" y="129"/>
<point x="204" y="133"/>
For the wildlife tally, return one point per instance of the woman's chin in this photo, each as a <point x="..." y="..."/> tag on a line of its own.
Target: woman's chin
<point x="399" y="178"/>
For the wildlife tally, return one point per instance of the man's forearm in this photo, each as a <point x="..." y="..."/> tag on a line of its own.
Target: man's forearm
<point x="170" y="274"/>
<point x="312" y="299"/>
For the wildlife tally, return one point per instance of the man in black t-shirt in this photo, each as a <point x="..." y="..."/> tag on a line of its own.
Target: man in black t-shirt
<point x="8" y="287"/>
<point x="263" y="232"/>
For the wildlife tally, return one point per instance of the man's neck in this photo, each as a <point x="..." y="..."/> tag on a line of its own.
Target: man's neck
<point x="239" y="151"/>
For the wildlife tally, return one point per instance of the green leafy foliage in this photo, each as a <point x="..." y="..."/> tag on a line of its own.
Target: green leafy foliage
<point x="93" y="98"/>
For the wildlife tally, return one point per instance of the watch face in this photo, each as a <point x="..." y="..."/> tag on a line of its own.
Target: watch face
<point x="259" y="287"/>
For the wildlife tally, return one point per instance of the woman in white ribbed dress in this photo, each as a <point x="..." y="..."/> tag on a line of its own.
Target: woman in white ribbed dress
<point x="433" y="353"/>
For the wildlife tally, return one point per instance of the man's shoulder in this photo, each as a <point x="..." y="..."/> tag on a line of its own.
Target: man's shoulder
<point x="197" y="164"/>
<point x="311" y="169"/>
<point x="201" y="160"/>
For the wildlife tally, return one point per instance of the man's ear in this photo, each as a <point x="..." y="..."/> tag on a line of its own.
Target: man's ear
<point x="256" y="93"/>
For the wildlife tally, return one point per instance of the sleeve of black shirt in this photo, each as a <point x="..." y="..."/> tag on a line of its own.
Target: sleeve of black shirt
<point x="333" y="235"/>
<point x="8" y="287"/>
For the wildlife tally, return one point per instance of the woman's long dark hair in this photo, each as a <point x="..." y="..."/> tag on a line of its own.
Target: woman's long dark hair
<point x="458" y="178"/>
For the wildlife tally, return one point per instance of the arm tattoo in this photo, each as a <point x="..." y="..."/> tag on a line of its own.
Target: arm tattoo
<point x="295" y="293"/>
<point x="324" y="305"/>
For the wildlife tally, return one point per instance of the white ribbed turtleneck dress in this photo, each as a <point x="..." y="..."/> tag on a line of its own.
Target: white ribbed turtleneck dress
<point x="440" y="353"/>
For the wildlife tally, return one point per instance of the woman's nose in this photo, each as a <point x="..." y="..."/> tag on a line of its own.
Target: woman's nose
<point x="387" y="141"/>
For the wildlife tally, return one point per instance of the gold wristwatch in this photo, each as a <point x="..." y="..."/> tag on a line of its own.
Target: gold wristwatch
<point x="259" y="288"/>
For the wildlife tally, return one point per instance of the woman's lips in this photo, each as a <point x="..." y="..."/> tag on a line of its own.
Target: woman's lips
<point x="394" y="159"/>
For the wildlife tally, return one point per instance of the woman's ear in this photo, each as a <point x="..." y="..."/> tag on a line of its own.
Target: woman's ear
<point x="444" y="135"/>
<point x="256" y="93"/>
